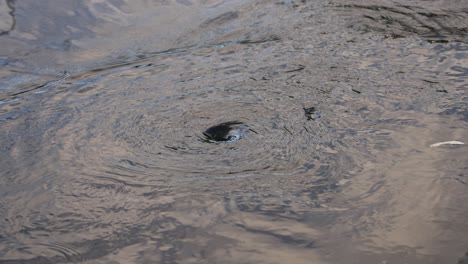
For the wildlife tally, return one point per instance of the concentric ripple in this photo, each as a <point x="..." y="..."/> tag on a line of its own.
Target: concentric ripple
<point x="212" y="131"/>
<point x="165" y="135"/>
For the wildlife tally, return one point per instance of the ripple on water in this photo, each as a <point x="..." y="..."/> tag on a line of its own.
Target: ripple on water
<point x="166" y="134"/>
<point x="112" y="164"/>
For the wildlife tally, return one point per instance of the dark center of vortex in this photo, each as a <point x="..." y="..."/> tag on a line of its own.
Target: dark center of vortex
<point x="228" y="131"/>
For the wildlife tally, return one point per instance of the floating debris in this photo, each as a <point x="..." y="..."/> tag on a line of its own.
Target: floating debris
<point x="435" y="145"/>
<point x="300" y="68"/>
<point x="442" y="91"/>
<point x="311" y="113"/>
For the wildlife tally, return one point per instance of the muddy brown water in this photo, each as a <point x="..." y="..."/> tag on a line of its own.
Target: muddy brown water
<point x="103" y="106"/>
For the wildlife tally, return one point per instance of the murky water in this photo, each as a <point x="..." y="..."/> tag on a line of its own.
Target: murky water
<point x="115" y="148"/>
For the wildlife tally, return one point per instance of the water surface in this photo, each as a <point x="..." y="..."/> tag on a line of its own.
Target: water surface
<point x="103" y="106"/>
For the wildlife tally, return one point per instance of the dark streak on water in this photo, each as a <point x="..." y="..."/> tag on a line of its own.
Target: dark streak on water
<point x="104" y="104"/>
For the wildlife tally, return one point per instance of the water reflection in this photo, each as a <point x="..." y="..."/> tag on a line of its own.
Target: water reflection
<point x="103" y="160"/>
